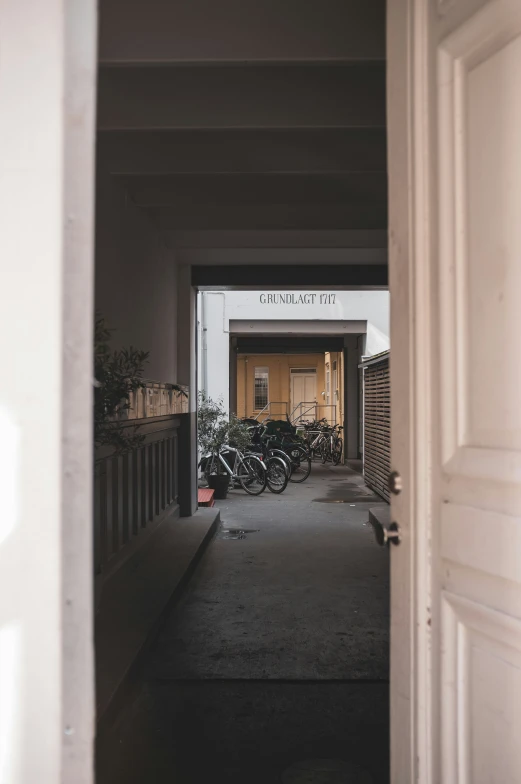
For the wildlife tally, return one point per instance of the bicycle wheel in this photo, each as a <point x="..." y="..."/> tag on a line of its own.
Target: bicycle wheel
<point x="284" y="457"/>
<point x="295" y="441"/>
<point x="276" y="475"/>
<point x="300" y="464"/>
<point x="337" y="451"/>
<point x="252" y="475"/>
<point x="325" y="451"/>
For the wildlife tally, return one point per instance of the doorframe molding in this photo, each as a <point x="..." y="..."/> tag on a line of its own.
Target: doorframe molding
<point x="412" y="233"/>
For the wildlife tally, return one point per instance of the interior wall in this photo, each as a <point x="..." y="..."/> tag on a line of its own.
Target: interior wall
<point x="213" y="349"/>
<point x="136" y="280"/>
<point x="279" y="366"/>
<point x="352" y="397"/>
<point x="187" y="351"/>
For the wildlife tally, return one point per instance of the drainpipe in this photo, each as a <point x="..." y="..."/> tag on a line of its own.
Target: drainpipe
<point x="204" y="344"/>
<point x="245" y="386"/>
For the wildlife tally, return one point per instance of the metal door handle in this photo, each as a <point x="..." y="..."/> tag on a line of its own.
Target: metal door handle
<point x="386" y="536"/>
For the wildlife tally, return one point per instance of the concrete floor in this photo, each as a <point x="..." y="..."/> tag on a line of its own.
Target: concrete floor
<point x="276" y="656"/>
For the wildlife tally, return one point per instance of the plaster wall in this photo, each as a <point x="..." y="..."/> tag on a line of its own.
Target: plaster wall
<point x="136" y="281"/>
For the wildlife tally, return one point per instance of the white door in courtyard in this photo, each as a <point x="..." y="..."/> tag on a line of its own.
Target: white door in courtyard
<point x="303" y="390"/>
<point x="454" y="106"/>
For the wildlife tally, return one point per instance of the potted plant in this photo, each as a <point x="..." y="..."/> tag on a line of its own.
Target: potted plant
<point x="215" y="430"/>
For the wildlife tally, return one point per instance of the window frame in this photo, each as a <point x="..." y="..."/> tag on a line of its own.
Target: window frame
<point x="264" y="369"/>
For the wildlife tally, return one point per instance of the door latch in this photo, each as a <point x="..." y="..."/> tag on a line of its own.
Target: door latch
<point x="394" y="483"/>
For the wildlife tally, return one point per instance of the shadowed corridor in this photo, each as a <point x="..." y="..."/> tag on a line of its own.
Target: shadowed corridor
<point x="275" y="657"/>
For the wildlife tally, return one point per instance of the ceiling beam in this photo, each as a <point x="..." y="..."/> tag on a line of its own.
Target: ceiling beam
<point x="228" y="256"/>
<point x="288" y="345"/>
<point x="274" y="96"/>
<point x="254" y="189"/>
<point x="244" y="150"/>
<point x="270" y="217"/>
<point x="303" y="239"/>
<point x="299" y="328"/>
<point x="271" y="276"/>
<point x="240" y="30"/>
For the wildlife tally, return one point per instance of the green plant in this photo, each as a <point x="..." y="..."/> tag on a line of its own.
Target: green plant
<point x="214" y="430"/>
<point x="118" y="374"/>
<point x="238" y="434"/>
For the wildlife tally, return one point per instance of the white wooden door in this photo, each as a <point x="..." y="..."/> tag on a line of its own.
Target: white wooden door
<point x="454" y="104"/>
<point x="303" y="390"/>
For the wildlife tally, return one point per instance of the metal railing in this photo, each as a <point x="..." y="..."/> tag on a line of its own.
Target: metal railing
<point x="314" y="410"/>
<point x="133" y="491"/>
<point x="305" y="410"/>
<point x="268" y="413"/>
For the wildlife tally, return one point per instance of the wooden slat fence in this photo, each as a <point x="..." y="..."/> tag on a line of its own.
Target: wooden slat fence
<point x="377" y="425"/>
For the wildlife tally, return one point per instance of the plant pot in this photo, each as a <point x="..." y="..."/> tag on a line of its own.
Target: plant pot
<point x="219" y="483"/>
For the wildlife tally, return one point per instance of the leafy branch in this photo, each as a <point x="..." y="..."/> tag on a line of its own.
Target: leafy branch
<point x="214" y="429"/>
<point x="118" y="375"/>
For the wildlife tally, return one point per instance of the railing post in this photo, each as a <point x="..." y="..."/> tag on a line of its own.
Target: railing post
<point x="187" y="375"/>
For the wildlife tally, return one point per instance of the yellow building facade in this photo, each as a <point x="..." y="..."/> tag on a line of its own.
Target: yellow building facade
<point x="334" y="384"/>
<point x="307" y="384"/>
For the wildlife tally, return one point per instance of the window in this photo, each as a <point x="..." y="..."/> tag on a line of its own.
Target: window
<point x="260" y="392"/>
<point x="335" y="382"/>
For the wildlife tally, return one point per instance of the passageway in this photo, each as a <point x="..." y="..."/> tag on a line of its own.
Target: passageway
<point x="276" y="656"/>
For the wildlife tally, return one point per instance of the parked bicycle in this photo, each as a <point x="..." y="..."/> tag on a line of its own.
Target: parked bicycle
<point x="278" y="465"/>
<point x="246" y="470"/>
<point x="279" y="439"/>
<point x="315" y="435"/>
<point x="331" y="446"/>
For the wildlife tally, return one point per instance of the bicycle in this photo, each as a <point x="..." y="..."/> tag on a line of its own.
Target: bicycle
<point x="277" y="474"/>
<point x="331" y="447"/>
<point x="278" y="465"/>
<point x="286" y="446"/>
<point x="316" y="436"/>
<point x="246" y="470"/>
<point x="299" y="457"/>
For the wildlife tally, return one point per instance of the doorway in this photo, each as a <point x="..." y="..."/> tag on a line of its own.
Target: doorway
<point x="189" y="160"/>
<point x="278" y="652"/>
<point x="261" y="203"/>
<point x="303" y="392"/>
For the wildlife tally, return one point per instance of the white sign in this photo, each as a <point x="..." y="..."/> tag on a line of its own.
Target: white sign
<point x="294" y="298"/>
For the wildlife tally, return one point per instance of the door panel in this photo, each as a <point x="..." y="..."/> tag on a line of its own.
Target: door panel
<point x="310" y="388"/>
<point x="303" y="390"/>
<point x="493" y="172"/>
<point x="297" y="390"/>
<point x="455" y="279"/>
<point x="482" y="715"/>
<point x="479" y="73"/>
